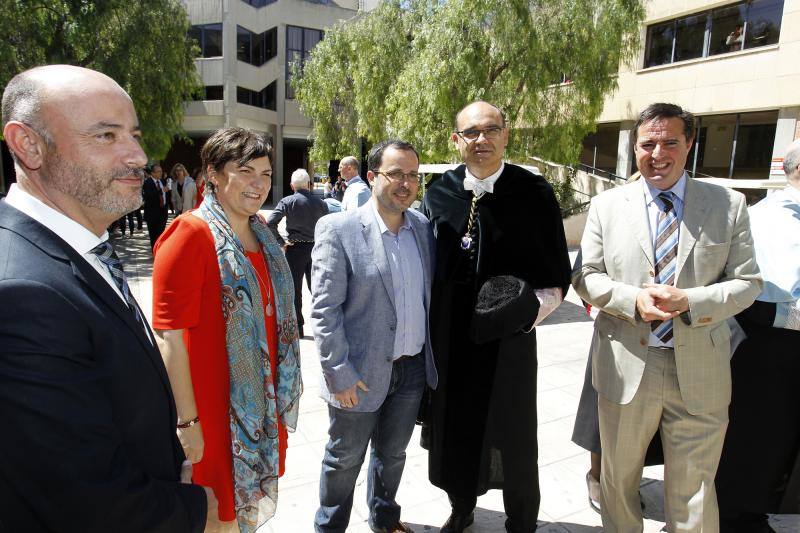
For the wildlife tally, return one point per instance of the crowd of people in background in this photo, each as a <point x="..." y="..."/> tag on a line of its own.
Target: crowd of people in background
<point x="419" y="316"/>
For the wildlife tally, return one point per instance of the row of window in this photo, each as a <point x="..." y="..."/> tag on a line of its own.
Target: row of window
<point x="725" y="29"/>
<point x="265" y="98"/>
<point x="256" y="48"/>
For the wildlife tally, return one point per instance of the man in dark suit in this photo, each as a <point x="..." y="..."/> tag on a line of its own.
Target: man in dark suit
<point x="88" y="415"/>
<point x="155" y="204"/>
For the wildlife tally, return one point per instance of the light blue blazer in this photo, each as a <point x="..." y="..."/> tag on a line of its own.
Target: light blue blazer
<point x="352" y="304"/>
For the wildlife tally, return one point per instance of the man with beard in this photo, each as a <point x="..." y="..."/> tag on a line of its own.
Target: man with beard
<point x="370" y="286"/>
<point x="88" y="414"/>
<point x="501" y="267"/>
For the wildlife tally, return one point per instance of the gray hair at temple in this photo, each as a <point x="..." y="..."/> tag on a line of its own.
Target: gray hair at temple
<point x="351" y="161"/>
<point x="791" y="161"/>
<point x="300" y="179"/>
<point x="662" y="110"/>
<point x="22" y="102"/>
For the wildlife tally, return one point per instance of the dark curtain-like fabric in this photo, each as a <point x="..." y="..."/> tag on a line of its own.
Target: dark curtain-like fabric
<point x="759" y="471"/>
<point x="480" y="425"/>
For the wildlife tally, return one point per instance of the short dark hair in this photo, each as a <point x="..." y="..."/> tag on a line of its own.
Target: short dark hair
<point x="662" y="110"/>
<point x="375" y="157"/>
<point x="234" y="144"/>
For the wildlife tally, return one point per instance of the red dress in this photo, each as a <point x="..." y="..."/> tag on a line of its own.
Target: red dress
<point x="186" y="295"/>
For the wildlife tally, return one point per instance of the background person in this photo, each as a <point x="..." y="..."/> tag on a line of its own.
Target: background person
<point x="155" y="203"/>
<point x="236" y="375"/>
<point x="184" y="191"/>
<point x="302" y="211"/>
<point x="356" y="191"/>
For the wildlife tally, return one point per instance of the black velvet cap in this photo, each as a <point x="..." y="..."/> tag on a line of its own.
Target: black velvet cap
<point x="505" y="305"/>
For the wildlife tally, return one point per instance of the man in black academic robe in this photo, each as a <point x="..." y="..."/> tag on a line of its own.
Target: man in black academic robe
<point x="500" y="253"/>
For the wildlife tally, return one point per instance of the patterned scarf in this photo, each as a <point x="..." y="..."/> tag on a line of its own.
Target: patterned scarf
<point x="254" y="400"/>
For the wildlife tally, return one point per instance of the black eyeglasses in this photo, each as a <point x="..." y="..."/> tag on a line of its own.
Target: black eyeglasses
<point x="471" y="135"/>
<point x="398" y="175"/>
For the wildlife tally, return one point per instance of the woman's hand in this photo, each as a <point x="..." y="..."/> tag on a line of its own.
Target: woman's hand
<point x="192" y="441"/>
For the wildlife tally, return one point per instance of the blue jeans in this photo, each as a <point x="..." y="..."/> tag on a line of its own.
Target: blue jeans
<point x="389" y="429"/>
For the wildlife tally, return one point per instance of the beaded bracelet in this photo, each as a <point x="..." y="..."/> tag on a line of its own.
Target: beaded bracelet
<point x="190" y="423"/>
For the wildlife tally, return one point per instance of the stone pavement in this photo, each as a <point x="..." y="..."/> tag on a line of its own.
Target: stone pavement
<point x="563" y="344"/>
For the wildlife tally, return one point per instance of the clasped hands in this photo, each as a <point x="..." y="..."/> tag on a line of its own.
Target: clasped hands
<point x="661" y="302"/>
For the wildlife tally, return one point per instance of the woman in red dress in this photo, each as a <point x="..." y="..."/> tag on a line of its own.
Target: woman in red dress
<point x="223" y="305"/>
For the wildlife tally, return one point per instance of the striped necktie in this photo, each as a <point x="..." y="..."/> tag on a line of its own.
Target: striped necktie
<point x="666" y="252"/>
<point x="106" y="254"/>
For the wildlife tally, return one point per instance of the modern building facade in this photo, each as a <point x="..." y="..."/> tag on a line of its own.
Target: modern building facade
<point x="247" y="47"/>
<point x="732" y="63"/>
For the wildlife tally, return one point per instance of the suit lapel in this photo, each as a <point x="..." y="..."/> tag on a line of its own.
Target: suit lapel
<point x="638" y="220"/>
<point x="695" y="211"/>
<point x="372" y="236"/>
<point x="99" y="286"/>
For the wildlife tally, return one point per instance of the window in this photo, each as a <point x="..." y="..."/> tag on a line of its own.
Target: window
<point x="256" y="49"/>
<point x="209" y="92"/>
<point x="209" y="38"/>
<point x="718" y="31"/>
<point x="265" y="98"/>
<point x="299" y="43"/>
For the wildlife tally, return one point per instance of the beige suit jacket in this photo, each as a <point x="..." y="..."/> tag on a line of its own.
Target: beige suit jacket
<point x="716" y="267"/>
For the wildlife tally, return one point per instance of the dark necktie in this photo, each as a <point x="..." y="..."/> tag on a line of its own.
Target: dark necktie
<point x="106" y="254"/>
<point x="666" y="253"/>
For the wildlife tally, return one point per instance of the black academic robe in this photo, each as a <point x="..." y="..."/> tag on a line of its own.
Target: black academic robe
<point x="480" y="424"/>
<point x="759" y="471"/>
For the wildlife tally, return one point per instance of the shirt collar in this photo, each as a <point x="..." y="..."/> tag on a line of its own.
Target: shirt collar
<point x="77" y="236"/>
<point x="479" y="186"/>
<point x="679" y="189"/>
<point x="353" y="179"/>
<point x="792" y="192"/>
<point x="382" y="225"/>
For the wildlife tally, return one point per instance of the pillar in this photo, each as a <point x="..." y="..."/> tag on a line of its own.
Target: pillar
<point x="625" y="149"/>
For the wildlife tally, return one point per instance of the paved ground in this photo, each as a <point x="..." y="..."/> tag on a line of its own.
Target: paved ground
<point x="563" y="343"/>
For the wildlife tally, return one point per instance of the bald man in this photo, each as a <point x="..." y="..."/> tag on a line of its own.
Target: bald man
<point x="89" y="420"/>
<point x="501" y="267"/>
<point x="759" y="471"/>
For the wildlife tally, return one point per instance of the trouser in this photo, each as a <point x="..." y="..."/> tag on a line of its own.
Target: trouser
<point x="388" y="430"/>
<point x="298" y="255"/>
<point x="155" y="227"/>
<point x="522" y="509"/>
<point x="692" y="446"/>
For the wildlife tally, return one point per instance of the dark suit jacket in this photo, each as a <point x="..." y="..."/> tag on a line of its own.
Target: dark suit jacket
<point x="152" y="201"/>
<point x="88" y="419"/>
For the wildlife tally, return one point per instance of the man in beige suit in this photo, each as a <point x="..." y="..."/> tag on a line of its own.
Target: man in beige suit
<point x="667" y="260"/>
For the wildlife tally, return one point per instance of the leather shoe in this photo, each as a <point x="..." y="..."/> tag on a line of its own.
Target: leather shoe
<point x="457" y="523"/>
<point x="399" y="527"/>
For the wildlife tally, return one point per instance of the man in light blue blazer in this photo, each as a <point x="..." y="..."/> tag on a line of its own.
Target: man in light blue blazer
<point x="370" y="284"/>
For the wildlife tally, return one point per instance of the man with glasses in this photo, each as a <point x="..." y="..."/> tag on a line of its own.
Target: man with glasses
<point x="356" y="192"/>
<point x="501" y="267"/>
<point x="370" y="285"/>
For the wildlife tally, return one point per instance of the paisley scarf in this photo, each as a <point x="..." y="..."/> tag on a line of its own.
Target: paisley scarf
<point x="255" y="404"/>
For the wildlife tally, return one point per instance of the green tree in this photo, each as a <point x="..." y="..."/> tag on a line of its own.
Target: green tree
<point x="406" y="68"/>
<point x="143" y="45"/>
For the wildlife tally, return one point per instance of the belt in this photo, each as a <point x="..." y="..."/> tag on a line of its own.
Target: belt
<point x="300" y="241"/>
<point x="404" y="357"/>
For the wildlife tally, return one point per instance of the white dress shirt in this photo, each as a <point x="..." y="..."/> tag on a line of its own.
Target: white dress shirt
<point x="549" y="298"/>
<point x="78" y="237"/>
